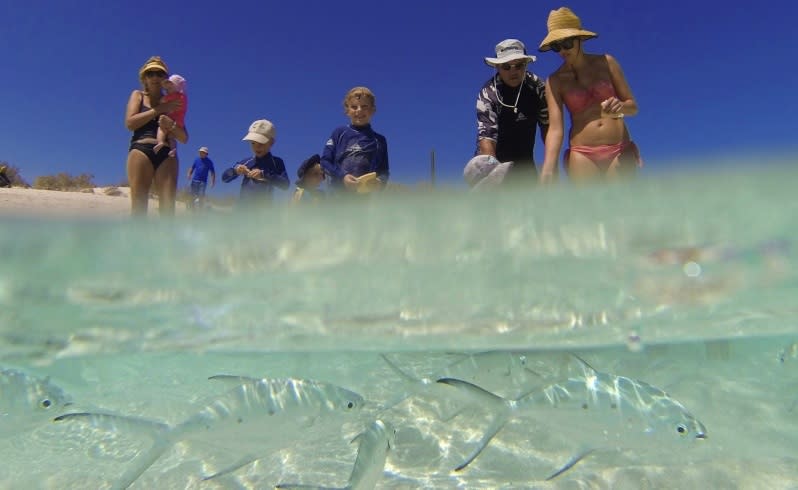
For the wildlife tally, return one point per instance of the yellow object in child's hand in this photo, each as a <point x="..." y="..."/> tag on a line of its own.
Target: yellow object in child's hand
<point x="367" y="183"/>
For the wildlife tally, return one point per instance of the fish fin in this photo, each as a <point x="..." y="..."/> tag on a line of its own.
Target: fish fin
<point x="406" y="377"/>
<point x="402" y="374"/>
<point x="235" y="466"/>
<point x="474" y="392"/>
<point x="585" y="365"/>
<point x="159" y="431"/>
<point x="494" y="402"/>
<point x="490" y="433"/>
<point x="356" y="438"/>
<point x="570" y="464"/>
<point x="145" y="460"/>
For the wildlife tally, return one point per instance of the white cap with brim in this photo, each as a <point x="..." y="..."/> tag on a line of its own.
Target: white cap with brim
<point x="204" y="149"/>
<point x="509" y="50"/>
<point x="484" y="171"/>
<point x="260" y="131"/>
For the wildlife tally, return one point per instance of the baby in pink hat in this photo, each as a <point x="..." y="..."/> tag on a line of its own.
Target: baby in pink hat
<point x="175" y="87"/>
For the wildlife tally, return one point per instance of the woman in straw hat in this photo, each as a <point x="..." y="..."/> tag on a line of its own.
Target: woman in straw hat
<point x="145" y="166"/>
<point x="595" y="91"/>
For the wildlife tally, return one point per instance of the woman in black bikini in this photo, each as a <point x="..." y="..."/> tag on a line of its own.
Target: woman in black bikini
<point x="146" y="167"/>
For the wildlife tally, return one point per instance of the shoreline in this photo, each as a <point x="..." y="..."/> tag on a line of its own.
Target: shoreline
<point x="27" y="202"/>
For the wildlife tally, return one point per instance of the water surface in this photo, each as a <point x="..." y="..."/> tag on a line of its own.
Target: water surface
<point x="685" y="282"/>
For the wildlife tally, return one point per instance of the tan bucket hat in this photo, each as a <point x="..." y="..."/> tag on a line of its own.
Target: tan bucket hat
<point x="563" y="23"/>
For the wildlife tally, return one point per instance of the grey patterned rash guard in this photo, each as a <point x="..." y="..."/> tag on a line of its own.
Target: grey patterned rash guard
<point x="513" y="127"/>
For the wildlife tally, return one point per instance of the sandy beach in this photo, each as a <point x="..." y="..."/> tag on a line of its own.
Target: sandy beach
<point x="21" y="202"/>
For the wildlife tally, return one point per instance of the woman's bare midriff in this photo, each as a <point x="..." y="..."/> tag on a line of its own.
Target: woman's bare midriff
<point x="590" y="129"/>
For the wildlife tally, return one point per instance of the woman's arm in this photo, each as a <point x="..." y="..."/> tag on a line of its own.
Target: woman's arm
<point x="133" y="118"/>
<point x="554" y="136"/>
<point x="624" y="93"/>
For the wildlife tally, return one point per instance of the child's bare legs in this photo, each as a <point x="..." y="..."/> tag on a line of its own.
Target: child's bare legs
<point x="173" y="147"/>
<point x="163" y="138"/>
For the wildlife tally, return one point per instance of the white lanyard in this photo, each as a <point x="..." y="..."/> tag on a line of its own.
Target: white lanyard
<point x="514" y="107"/>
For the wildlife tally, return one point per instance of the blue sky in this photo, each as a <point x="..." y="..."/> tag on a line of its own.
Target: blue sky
<point x="710" y="82"/>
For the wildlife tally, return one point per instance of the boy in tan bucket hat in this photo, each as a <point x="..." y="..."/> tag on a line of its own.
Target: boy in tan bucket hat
<point x="594" y="90"/>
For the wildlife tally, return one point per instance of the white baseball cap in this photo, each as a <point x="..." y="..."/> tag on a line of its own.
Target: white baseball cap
<point x="260" y="131"/>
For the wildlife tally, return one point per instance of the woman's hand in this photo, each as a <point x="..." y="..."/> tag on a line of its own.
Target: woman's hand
<point x="241" y="169"/>
<point x="613" y="105"/>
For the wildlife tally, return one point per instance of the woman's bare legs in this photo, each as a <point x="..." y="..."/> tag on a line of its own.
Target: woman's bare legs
<point x="139" y="176"/>
<point x="166" y="186"/>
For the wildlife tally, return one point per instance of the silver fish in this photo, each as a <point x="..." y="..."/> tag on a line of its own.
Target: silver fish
<point x="247" y="410"/>
<point x="622" y="407"/>
<point x="374" y="444"/>
<point x="510" y="369"/>
<point x="27" y="401"/>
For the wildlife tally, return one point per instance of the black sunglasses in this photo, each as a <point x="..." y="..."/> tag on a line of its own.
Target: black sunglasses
<point x="510" y="66"/>
<point x="155" y="73"/>
<point x="557" y="46"/>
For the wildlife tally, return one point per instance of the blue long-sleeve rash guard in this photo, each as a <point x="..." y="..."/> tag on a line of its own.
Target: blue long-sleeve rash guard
<point x="355" y="150"/>
<point x="273" y="172"/>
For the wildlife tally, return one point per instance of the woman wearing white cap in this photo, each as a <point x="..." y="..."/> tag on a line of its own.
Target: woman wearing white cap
<point x="594" y="89"/>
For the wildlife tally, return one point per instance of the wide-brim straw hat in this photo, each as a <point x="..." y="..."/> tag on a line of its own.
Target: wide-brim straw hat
<point x="563" y="23"/>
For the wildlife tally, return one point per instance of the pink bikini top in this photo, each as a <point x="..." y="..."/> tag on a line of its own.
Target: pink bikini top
<point x="579" y="99"/>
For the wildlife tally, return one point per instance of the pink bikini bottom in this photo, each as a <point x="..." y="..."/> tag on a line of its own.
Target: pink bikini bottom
<point x="604" y="155"/>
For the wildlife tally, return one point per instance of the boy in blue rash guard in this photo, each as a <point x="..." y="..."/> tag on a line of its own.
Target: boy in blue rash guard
<point x="356" y="149"/>
<point x="262" y="172"/>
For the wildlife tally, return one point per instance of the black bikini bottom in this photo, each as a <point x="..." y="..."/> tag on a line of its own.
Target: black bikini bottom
<point x="156" y="159"/>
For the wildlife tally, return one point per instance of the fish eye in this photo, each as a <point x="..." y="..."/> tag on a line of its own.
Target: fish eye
<point x="46" y="403"/>
<point x="350" y="405"/>
<point x="681" y="429"/>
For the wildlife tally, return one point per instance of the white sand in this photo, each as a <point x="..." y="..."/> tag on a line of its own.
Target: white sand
<point x="17" y="201"/>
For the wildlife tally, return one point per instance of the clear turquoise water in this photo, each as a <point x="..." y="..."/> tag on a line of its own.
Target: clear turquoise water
<point x="686" y="282"/>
